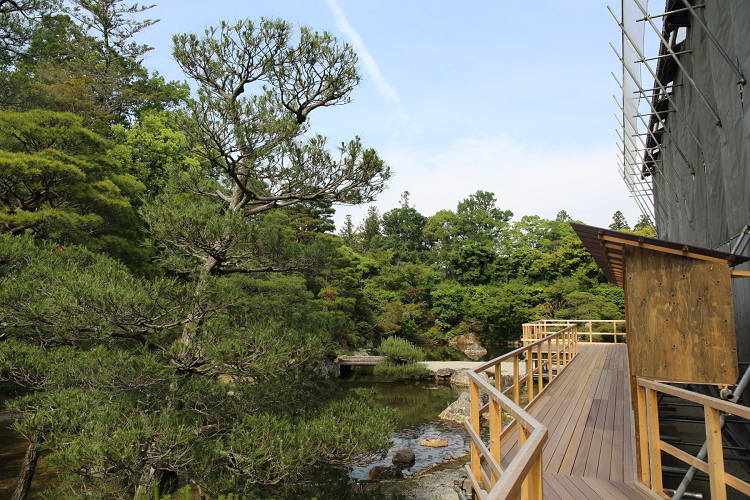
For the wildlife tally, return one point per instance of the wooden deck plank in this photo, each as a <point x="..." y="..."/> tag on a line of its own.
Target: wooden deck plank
<point x="591" y="457"/>
<point x="561" y="436"/>
<point x="589" y="454"/>
<point x="604" y="470"/>
<point x="580" y="456"/>
<point x="559" y="489"/>
<point x="578" y="437"/>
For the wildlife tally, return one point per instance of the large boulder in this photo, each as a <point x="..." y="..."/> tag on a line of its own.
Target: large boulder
<point x="466" y="340"/>
<point x="442" y="373"/>
<point x="404" y="457"/>
<point x="327" y="369"/>
<point x="475" y="350"/>
<point x="384" y="472"/>
<point x="458" y="411"/>
<point x="460" y="378"/>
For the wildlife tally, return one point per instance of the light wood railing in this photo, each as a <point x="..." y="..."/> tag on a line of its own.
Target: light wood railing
<point x="651" y="444"/>
<point x="548" y="356"/>
<point x="586" y="329"/>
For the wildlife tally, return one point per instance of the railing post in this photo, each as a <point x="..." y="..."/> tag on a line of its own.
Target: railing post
<point x="715" y="453"/>
<point x="516" y="388"/>
<point x="654" y="448"/>
<point x="523" y="434"/>
<point x="539" y="366"/>
<point x="614" y="330"/>
<point x="557" y="352"/>
<point x="496" y="427"/>
<point x="530" y="373"/>
<point x="549" y="361"/>
<point x="591" y="332"/>
<point x="536" y="479"/>
<point x="474" y="415"/>
<point x="642" y="438"/>
<point x="575" y="335"/>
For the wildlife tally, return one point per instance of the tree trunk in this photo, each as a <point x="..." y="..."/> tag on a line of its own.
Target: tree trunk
<point x="149" y="480"/>
<point x="29" y="465"/>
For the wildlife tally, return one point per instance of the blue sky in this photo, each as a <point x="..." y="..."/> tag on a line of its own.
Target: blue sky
<point x="509" y="97"/>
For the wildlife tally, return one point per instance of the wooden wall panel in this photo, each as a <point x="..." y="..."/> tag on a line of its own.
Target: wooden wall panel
<point x="680" y="318"/>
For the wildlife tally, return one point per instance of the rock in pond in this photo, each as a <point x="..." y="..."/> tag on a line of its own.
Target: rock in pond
<point x="475" y="350"/>
<point x="434" y="442"/>
<point x="404" y="457"/>
<point x="459" y="411"/>
<point x="384" y="472"/>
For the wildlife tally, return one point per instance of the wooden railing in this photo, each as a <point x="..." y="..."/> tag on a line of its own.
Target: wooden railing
<point x="651" y="444"/>
<point x="586" y="330"/>
<point x="523" y="475"/>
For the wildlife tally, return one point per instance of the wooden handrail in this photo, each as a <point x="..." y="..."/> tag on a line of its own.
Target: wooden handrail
<point x="652" y="445"/>
<point x="524" y="472"/>
<point x="539" y="329"/>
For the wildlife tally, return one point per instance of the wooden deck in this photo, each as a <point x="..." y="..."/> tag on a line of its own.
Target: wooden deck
<point x="590" y="450"/>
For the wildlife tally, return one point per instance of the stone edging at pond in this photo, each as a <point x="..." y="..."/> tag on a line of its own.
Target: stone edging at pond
<point x="455" y="371"/>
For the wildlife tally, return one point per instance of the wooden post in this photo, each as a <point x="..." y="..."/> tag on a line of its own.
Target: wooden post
<point x="614" y="330"/>
<point x="591" y="332"/>
<point x="530" y="373"/>
<point x="496" y="427"/>
<point x="523" y="434"/>
<point x="654" y="448"/>
<point x="539" y="366"/>
<point x="557" y="352"/>
<point x="715" y="454"/>
<point x="642" y="438"/>
<point x="537" y="483"/>
<point x="474" y="409"/>
<point x="549" y="361"/>
<point x="516" y="388"/>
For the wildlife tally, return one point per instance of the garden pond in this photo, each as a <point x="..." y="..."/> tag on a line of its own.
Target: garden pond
<point x="418" y="404"/>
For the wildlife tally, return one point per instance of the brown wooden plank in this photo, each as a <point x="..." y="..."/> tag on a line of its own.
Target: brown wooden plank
<point x="582" y="434"/>
<point x="579" y="465"/>
<point x="549" y="490"/>
<point x="577" y="488"/>
<point x="617" y="459"/>
<point x="605" y="488"/>
<point x="608" y="434"/>
<point x="560" y="490"/>
<point x="567" y="434"/>
<point x="592" y="460"/>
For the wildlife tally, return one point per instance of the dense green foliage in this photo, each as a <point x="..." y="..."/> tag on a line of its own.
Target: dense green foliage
<point x="167" y="288"/>
<point x="473" y="270"/>
<point x="400" y="350"/>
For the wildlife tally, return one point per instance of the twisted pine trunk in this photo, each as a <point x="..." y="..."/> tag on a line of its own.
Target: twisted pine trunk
<point x="29" y="465"/>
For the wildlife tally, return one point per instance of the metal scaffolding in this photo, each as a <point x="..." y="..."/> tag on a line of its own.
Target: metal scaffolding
<point x="642" y="160"/>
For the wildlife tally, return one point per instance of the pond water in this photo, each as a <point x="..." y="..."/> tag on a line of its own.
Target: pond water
<point x="419" y="403"/>
<point x="444" y="352"/>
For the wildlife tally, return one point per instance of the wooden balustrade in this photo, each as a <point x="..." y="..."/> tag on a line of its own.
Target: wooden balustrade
<point x="523" y="475"/>
<point x="543" y="327"/>
<point x="651" y="444"/>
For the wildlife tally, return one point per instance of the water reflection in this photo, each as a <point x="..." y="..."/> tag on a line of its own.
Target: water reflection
<point x="444" y="352"/>
<point x="418" y="404"/>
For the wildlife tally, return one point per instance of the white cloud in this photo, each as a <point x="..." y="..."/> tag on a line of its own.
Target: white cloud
<point x="527" y="179"/>
<point x="387" y="90"/>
